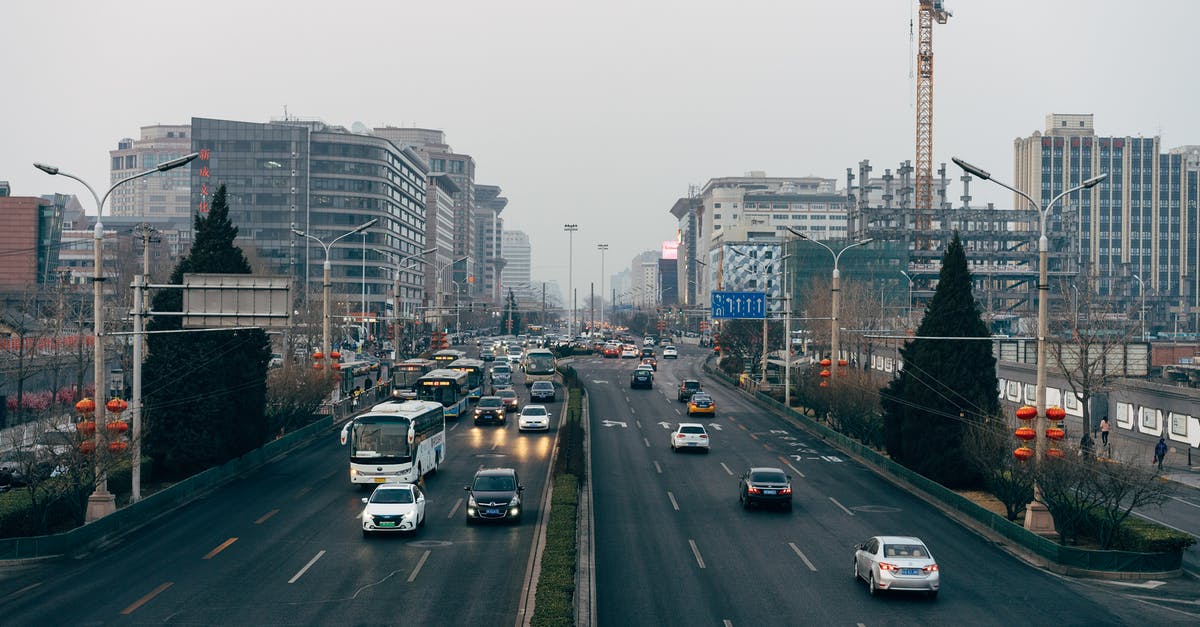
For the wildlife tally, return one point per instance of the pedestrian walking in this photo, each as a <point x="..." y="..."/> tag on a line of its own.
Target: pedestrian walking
<point x="1104" y="431"/>
<point x="1160" y="451"/>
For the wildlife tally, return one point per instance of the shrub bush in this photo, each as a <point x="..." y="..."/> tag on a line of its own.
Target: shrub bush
<point x="556" y="583"/>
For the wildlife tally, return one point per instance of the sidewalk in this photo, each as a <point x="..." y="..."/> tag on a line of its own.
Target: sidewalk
<point x="1175" y="468"/>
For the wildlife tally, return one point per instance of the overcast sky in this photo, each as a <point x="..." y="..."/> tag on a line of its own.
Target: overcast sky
<point x="600" y="114"/>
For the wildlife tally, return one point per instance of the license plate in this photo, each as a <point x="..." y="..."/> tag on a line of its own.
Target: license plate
<point x="387" y="524"/>
<point x="910" y="571"/>
<point x="492" y="512"/>
<point x="379" y="479"/>
<point x="769" y="492"/>
<point x="692" y="444"/>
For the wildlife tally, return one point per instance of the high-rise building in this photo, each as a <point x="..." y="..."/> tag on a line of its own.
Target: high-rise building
<point x="30" y="234"/>
<point x="1142" y="220"/>
<point x="516" y="274"/>
<point x="323" y="180"/>
<point x="160" y="196"/>
<point x="488" y="228"/>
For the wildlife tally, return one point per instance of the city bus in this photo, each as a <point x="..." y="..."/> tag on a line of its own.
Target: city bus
<point x="396" y="442"/>
<point x="475" y="369"/>
<point x="445" y="386"/>
<point x="405" y="375"/>
<point x="447" y="355"/>
<point x="540" y="365"/>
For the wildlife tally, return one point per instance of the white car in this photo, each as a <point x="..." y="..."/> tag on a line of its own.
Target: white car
<point x="670" y="352"/>
<point x="896" y="563"/>
<point x="533" y="418"/>
<point x="629" y="351"/>
<point x="689" y="435"/>
<point x="393" y="507"/>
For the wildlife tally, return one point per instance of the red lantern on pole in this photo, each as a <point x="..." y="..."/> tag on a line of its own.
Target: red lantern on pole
<point x="87" y="447"/>
<point x="1055" y="433"/>
<point x="1025" y="433"/>
<point x="117" y="427"/>
<point x="825" y="373"/>
<point x="337" y="365"/>
<point x="1027" y="412"/>
<point x="85" y="406"/>
<point x="316" y="365"/>
<point x="824" y="384"/>
<point x="1054" y="452"/>
<point x="86" y="427"/>
<point x="825" y="363"/>
<point x="116" y="405"/>
<point x="318" y="355"/>
<point x="1023" y="453"/>
<point x="335" y="355"/>
<point x="118" y="447"/>
<point x="843" y="362"/>
<point x="1055" y="413"/>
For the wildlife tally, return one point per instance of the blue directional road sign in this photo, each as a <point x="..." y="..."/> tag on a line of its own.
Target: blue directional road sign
<point x="752" y="305"/>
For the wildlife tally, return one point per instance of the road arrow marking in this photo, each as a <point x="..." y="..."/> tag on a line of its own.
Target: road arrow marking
<point x="614" y="423"/>
<point x="715" y="426"/>
<point x="665" y="424"/>
<point x="598" y="381"/>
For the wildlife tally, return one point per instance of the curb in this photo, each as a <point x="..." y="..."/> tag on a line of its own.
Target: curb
<point x="585" y="569"/>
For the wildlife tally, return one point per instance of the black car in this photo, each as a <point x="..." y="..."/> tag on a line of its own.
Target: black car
<point x="642" y="378"/>
<point x="766" y="486"/>
<point x="495" y="494"/>
<point x="687" y="388"/>
<point x="490" y="409"/>
<point x="542" y="391"/>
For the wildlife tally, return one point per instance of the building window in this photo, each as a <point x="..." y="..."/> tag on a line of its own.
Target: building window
<point x="716" y="205"/>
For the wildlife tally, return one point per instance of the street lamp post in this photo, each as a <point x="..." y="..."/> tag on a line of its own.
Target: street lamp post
<point x="396" y="321"/>
<point x="1037" y="521"/>
<point x="570" y="229"/>
<point x="327" y="282"/>
<point x="1142" y="293"/>
<point x="102" y="502"/>
<point x="442" y="270"/>
<point x="908" y="315"/>
<point x="363" y="310"/>
<point x="602" y="248"/>
<point x="834" y="331"/>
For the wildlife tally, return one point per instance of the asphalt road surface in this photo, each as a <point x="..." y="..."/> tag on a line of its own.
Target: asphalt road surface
<point x="284" y="546"/>
<point x="674" y="547"/>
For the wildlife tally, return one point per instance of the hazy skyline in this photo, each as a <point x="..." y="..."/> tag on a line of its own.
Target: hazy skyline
<point x="598" y="115"/>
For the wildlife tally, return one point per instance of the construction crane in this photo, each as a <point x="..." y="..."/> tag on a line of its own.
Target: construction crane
<point x="930" y="10"/>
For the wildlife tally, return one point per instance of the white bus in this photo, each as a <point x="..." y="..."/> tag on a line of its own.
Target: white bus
<point x="539" y="365"/>
<point x="396" y="442"/>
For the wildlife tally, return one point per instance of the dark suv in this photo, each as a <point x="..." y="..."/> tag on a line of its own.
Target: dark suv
<point x="490" y="409"/>
<point x="642" y="378"/>
<point x="495" y="494"/>
<point x="687" y="388"/>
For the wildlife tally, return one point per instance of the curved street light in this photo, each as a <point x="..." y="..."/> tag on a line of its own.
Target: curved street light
<point x="327" y="282"/>
<point x="101" y="502"/>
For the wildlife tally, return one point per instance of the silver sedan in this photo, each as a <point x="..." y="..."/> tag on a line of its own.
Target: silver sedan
<point x="896" y="563"/>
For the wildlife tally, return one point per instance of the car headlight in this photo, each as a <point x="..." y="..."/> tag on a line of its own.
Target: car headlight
<point x="470" y="501"/>
<point x="515" y="502"/>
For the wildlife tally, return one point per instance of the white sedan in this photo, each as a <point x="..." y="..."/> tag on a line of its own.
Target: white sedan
<point x="670" y="352"/>
<point x="534" y="418"/>
<point x="689" y="435"/>
<point x="393" y="507"/>
<point x="896" y="563"/>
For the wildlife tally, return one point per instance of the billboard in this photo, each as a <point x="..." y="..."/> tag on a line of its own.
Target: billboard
<point x="670" y="249"/>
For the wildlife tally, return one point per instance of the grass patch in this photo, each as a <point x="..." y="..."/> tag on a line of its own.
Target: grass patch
<point x="556" y="583"/>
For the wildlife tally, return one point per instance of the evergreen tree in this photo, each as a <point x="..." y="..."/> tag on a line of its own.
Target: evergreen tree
<point x="513" y="324"/>
<point x="945" y="383"/>
<point x="205" y="392"/>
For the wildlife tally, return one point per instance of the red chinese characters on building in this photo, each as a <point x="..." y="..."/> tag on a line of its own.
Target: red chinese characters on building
<point x="202" y="208"/>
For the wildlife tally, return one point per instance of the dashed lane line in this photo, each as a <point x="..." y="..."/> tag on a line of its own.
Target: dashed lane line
<point x="266" y="516"/>
<point x="696" y="552"/>
<point x="727" y="470"/>
<point x="220" y="547"/>
<point x="146" y="599"/>
<point x="674" y="503"/>
<point x="457" y="503"/>
<point x="420" y="563"/>
<point x="647" y="442"/>
<point x="802" y="556"/>
<point x="835" y="502"/>
<point x="658" y="468"/>
<point x="789" y="465"/>
<point x="300" y="573"/>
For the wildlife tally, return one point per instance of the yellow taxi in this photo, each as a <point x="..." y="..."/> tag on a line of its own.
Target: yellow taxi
<point x="701" y="403"/>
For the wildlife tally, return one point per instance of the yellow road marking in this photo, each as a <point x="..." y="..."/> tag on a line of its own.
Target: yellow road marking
<point x="224" y="545"/>
<point x="266" y="516"/>
<point x="146" y="599"/>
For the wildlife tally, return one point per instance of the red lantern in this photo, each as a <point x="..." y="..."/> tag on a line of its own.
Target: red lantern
<point x="1023" y="453"/>
<point x="824" y="384"/>
<point x="318" y="355"/>
<point x="825" y="363"/>
<point x="1054" y="433"/>
<point x="117" y="427"/>
<point x="85" y="406"/>
<point x="1027" y="412"/>
<point x="316" y="365"/>
<point x="118" y="446"/>
<point x="843" y="362"/>
<point x="1054" y="452"/>
<point x="116" y="405"/>
<point x="825" y="373"/>
<point x="86" y="427"/>
<point x="1025" y="433"/>
<point x="337" y="365"/>
<point x="87" y="447"/>
<point x="1055" y="413"/>
<point x="335" y="355"/>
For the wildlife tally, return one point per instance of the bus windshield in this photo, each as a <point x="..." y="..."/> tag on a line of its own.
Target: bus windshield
<point x="539" y="362"/>
<point x="380" y="441"/>
<point x="439" y="391"/>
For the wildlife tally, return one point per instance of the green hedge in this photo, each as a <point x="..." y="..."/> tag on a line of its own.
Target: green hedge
<point x="1142" y="536"/>
<point x="556" y="582"/>
<point x="63" y="511"/>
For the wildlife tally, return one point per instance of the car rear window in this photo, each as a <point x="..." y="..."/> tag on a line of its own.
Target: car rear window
<point x="691" y="430"/>
<point x="768" y="477"/>
<point x="691" y="385"/>
<point x="534" y="411"/>
<point x="904" y="550"/>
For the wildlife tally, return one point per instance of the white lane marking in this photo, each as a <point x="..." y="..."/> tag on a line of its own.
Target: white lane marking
<point x="1184" y="501"/>
<point x="841" y="506"/>
<point x="679" y="411"/>
<point x="307" y="566"/>
<point x="658" y="468"/>
<point x="453" y="427"/>
<point x="420" y="563"/>
<point x="455" y="508"/>
<point x="674" y="504"/>
<point x="802" y="556"/>
<point x="696" y="552"/>
<point x="1148" y="585"/>
<point x="639" y="423"/>
<point x="1141" y="515"/>
<point x="727" y="469"/>
<point x="727" y="623"/>
<point x="632" y="410"/>
<point x="647" y="442"/>
<point x="789" y="465"/>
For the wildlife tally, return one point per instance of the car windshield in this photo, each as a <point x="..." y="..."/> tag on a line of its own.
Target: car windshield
<point x="692" y="430"/>
<point x="501" y="370"/>
<point x="534" y="411"/>
<point x="392" y="495"/>
<point x="768" y="477"/>
<point x="494" y="483"/>
<point x="490" y="401"/>
<point x="543" y="385"/>
<point x="905" y="550"/>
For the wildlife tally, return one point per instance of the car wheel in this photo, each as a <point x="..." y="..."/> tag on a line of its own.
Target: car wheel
<point x="745" y="503"/>
<point x="871" y="585"/>
<point x="674" y="449"/>
<point x="421" y="523"/>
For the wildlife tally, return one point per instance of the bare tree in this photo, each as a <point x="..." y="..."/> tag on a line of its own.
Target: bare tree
<point x="1121" y="487"/>
<point x="294" y="394"/>
<point x="989" y="445"/>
